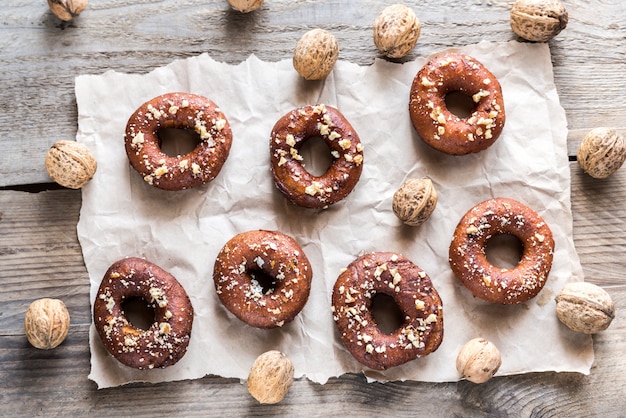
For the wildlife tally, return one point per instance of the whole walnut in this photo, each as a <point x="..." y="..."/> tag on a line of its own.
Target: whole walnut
<point x="245" y="6"/>
<point x="396" y="31"/>
<point x="538" y="20"/>
<point x="46" y="323"/>
<point x="70" y="164"/>
<point x="67" y="9"/>
<point x="270" y="377"/>
<point x="478" y="360"/>
<point x="602" y="152"/>
<point x="585" y="307"/>
<point x="315" y="54"/>
<point x="414" y="201"/>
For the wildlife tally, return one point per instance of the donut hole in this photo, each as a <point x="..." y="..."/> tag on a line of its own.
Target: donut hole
<point x="504" y="251"/>
<point x="138" y="313"/>
<point x="459" y="104"/>
<point x="316" y="156"/>
<point x="262" y="282"/>
<point x="177" y="141"/>
<point x="387" y="313"/>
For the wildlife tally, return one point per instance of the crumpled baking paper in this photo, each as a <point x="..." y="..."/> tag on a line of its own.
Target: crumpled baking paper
<point x="183" y="231"/>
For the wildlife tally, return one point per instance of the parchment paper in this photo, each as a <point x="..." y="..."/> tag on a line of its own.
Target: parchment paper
<point x="183" y="231"/>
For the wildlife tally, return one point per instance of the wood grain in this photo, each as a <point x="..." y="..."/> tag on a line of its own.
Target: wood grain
<point x="40" y="255"/>
<point x="41" y="56"/>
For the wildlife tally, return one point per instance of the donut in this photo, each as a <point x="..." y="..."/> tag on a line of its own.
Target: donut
<point x="166" y="340"/>
<point x="392" y="274"/>
<point x="440" y="128"/>
<point x="263" y="278"/>
<point x="292" y="179"/>
<point x="180" y="111"/>
<point x="468" y="259"/>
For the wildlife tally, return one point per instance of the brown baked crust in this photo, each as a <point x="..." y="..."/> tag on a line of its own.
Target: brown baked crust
<point x="291" y="178"/>
<point x="166" y="341"/>
<point x="494" y="284"/>
<point x="180" y="111"/>
<point x="440" y="128"/>
<point x="244" y="264"/>
<point x="411" y="288"/>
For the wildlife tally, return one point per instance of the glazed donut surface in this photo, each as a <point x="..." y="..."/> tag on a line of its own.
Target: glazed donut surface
<point x="298" y="185"/>
<point x="469" y="262"/>
<point x="263" y="278"/>
<point x="180" y="111"/>
<point x="412" y="290"/>
<point x="440" y="128"/>
<point x="166" y="340"/>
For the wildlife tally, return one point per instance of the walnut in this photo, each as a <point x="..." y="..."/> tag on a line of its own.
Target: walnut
<point x="315" y="54"/>
<point x="415" y="201"/>
<point x="270" y="377"/>
<point x="70" y="164"/>
<point x="585" y="307"/>
<point x="396" y="31"/>
<point x="478" y="360"/>
<point x="46" y="323"/>
<point x="602" y="152"/>
<point x="245" y="6"/>
<point x="538" y="20"/>
<point x="67" y="9"/>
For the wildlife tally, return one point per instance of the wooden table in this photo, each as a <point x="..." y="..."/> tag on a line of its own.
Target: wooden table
<point x="40" y="255"/>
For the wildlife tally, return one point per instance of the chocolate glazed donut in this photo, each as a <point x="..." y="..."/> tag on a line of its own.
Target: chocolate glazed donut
<point x="180" y="111"/>
<point x="468" y="259"/>
<point x="298" y="185"/>
<point x="263" y="278"/>
<point x="440" y="128"/>
<point x="166" y="340"/>
<point x="412" y="290"/>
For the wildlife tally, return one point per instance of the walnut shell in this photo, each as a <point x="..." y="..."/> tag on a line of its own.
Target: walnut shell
<point x="70" y="164"/>
<point x="46" y="323"/>
<point x="478" y="360"/>
<point x="396" y="31"/>
<point x="415" y="201"/>
<point x="67" y="9"/>
<point x="315" y="54"/>
<point x="270" y="377"/>
<point x="245" y="6"/>
<point x="585" y="307"/>
<point x="538" y="20"/>
<point x="602" y="152"/>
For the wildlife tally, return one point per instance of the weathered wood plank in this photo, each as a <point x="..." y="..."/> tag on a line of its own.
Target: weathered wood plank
<point x="41" y="257"/>
<point x="41" y="57"/>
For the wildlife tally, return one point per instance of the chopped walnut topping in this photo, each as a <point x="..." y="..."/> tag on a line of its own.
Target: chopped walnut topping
<point x="314" y="188"/>
<point x="160" y="171"/>
<point x="478" y="96"/>
<point x="219" y="124"/>
<point x="138" y="139"/>
<point x="165" y="328"/>
<point x="426" y="82"/>
<point x="430" y="319"/>
<point x="345" y="144"/>
<point x="334" y="135"/>
<point x="487" y="280"/>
